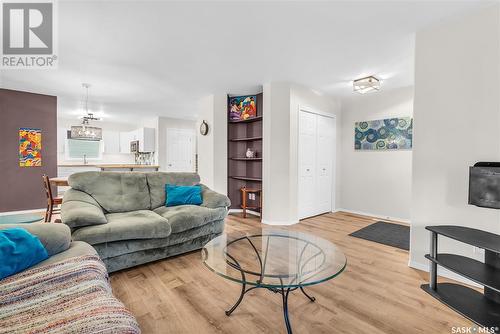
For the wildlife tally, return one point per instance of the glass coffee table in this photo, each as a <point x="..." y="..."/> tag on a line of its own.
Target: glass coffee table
<point x="280" y="261"/>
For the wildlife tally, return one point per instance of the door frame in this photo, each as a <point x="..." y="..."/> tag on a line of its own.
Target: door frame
<point x="302" y="108"/>
<point x="192" y="132"/>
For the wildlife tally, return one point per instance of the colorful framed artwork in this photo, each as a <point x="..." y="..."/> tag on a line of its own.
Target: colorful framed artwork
<point x="242" y="107"/>
<point x="30" y="147"/>
<point x="384" y="134"/>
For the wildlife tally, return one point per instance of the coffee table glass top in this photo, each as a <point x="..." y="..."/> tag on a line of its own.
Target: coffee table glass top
<point x="21" y="218"/>
<point x="274" y="258"/>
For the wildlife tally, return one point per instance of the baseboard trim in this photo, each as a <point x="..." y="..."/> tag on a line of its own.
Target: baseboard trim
<point x="279" y="223"/>
<point x="255" y="213"/>
<point x="21" y="212"/>
<point x="443" y="273"/>
<point x="374" y="215"/>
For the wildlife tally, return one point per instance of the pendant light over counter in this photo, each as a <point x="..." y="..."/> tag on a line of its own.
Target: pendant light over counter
<point x="85" y="131"/>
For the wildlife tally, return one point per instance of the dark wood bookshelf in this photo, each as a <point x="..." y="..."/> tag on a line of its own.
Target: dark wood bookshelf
<point x="249" y="120"/>
<point x="246" y="178"/>
<point x="247" y="159"/>
<point x="244" y="172"/>
<point x="246" y="139"/>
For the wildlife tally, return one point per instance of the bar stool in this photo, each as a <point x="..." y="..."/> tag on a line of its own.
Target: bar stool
<point x="51" y="200"/>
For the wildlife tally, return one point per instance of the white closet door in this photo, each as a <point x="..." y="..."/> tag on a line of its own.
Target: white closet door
<point x="324" y="171"/>
<point x="316" y="154"/>
<point x="307" y="164"/>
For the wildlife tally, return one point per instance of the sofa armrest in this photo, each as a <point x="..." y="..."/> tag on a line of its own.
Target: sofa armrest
<point x="212" y="199"/>
<point x="80" y="209"/>
<point x="56" y="238"/>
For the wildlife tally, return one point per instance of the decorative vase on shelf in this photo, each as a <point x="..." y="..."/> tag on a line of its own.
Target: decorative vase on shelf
<point x="250" y="153"/>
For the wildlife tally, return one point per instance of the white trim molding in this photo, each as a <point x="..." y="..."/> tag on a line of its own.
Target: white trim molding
<point x="279" y="223"/>
<point x="255" y="213"/>
<point x="373" y="215"/>
<point x="21" y="212"/>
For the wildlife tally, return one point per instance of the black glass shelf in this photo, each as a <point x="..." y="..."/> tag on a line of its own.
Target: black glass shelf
<point x="468" y="302"/>
<point x="471" y="236"/>
<point x="472" y="269"/>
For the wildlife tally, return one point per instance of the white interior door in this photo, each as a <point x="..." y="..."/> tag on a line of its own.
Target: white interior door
<point x="316" y="162"/>
<point x="324" y="158"/>
<point x="180" y="150"/>
<point x="307" y="163"/>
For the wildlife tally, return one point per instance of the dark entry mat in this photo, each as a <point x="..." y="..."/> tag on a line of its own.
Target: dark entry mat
<point x="394" y="235"/>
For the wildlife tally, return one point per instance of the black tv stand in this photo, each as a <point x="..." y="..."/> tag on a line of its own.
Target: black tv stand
<point x="483" y="309"/>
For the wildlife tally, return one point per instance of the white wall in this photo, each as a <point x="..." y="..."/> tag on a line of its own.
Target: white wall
<point x="377" y="183"/>
<point x="457" y="123"/>
<point x="280" y="146"/>
<point x="205" y="144"/>
<point x="212" y="148"/>
<point x="165" y="123"/>
<point x="277" y="207"/>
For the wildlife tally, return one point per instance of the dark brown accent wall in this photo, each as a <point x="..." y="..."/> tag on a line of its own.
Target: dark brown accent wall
<point x="21" y="187"/>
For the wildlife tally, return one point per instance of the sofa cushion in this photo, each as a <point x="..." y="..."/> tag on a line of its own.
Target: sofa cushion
<point x="158" y="180"/>
<point x="56" y="238"/>
<point x="80" y="209"/>
<point x="114" y="191"/>
<point x="116" y="248"/>
<point x="19" y="250"/>
<point x="140" y="224"/>
<point x="185" y="217"/>
<point x="76" y="248"/>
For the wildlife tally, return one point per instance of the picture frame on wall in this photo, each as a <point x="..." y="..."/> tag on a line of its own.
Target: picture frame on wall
<point x="242" y="108"/>
<point x="384" y="134"/>
<point x="30" y="147"/>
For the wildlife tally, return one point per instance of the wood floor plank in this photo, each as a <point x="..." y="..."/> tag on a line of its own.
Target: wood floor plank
<point x="377" y="293"/>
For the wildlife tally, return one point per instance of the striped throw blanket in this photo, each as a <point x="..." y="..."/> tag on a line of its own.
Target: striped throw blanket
<point x="71" y="296"/>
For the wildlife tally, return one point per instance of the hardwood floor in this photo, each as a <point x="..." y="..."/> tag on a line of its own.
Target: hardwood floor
<point x="377" y="293"/>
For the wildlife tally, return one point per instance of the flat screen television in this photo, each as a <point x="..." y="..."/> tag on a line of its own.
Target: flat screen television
<point x="484" y="185"/>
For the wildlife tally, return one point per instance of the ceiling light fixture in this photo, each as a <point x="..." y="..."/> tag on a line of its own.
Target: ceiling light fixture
<point x="84" y="131"/>
<point x="366" y="85"/>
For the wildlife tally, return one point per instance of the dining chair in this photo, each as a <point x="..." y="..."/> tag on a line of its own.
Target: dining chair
<point x="53" y="203"/>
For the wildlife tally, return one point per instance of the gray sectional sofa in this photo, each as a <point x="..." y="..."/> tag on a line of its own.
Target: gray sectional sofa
<point x="124" y="217"/>
<point x="67" y="293"/>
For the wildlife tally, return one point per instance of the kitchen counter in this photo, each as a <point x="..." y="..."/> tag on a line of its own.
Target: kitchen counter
<point x="111" y="166"/>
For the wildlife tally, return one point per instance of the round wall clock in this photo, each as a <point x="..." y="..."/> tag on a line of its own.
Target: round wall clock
<point x="204" y="128"/>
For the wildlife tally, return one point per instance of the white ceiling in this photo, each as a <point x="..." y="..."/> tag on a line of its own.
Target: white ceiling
<point x="159" y="58"/>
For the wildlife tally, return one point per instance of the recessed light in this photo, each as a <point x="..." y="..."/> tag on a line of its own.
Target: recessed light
<point x="366" y="85"/>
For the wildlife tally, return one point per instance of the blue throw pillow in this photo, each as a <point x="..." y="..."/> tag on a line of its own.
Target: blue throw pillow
<point x="19" y="250"/>
<point x="181" y="195"/>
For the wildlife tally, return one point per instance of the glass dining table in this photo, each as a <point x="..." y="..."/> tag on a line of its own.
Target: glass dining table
<point x="280" y="261"/>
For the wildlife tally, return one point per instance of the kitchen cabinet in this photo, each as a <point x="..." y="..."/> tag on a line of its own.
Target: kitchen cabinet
<point x="125" y="139"/>
<point x="111" y="141"/>
<point x="145" y="136"/>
